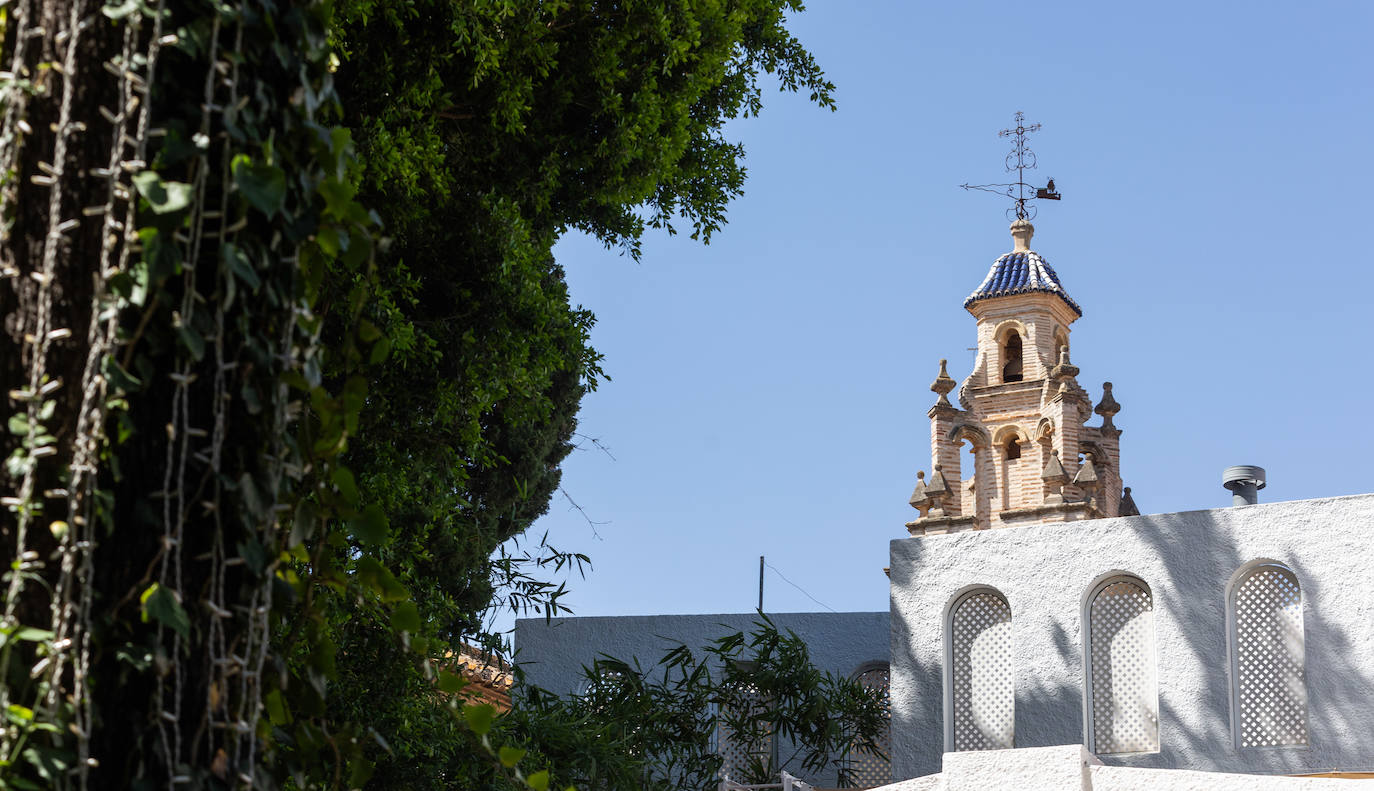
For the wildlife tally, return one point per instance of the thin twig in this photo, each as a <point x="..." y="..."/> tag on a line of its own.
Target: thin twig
<point x="592" y="523"/>
<point x="596" y="441"/>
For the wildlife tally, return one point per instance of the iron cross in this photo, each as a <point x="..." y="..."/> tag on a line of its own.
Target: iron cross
<point x="1021" y="159"/>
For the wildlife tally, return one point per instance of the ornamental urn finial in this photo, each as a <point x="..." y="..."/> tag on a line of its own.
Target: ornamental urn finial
<point x="942" y="385"/>
<point x="1107" y="407"/>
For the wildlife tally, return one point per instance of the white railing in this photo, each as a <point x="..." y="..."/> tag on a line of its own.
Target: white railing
<point x="789" y="783"/>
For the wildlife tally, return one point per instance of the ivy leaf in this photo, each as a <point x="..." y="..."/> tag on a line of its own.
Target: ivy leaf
<point x="240" y="265"/>
<point x="303" y="524"/>
<point x="164" y="197"/>
<point x="406" y="617"/>
<point x="264" y="186"/>
<point x="252" y="500"/>
<point x="360" y="772"/>
<point x="510" y="756"/>
<point x="539" y="781"/>
<point x="121" y="10"/>
<point x="251" y="402"/>
<point x="370" y="527"/>
<point x="50" y="763"/>
<point x="161" y="605"/>
<point x="192" y="341"/>
<point x="347" y="486"/>
<point x="338" y="195"/>
<point x="450" y="682"/>
<point x="368" y="331"/>
<point x="276" y="708"/>
<point x="479" y="717"/>
<point x="380" y="350"/>
<point x="120" y="378"/>
<point x="19" y="715"/>
<point x="161" y="259"/>
<point x="330" y="241"/>
<point x="372" y="574"/>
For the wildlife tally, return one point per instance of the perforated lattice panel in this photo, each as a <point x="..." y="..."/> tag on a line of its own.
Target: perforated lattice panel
<point x="868" y="769"/>
<point x="739" y="751"/>
<point x="1272" y="689"/>
<point x="606" y="686"/>
<point x="984" y="695"/>
<point x="1125" y="697"/>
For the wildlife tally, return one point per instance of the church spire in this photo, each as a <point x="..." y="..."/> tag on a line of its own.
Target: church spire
<point x="1021" y="414"/>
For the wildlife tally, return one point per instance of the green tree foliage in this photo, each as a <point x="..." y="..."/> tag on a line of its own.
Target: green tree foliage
<point x="485" y="131"/>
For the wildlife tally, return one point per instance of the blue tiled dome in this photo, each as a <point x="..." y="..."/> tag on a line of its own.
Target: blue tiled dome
<point x="1021" y="273"/>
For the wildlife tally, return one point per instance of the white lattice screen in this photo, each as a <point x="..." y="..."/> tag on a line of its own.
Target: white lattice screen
<point x="983" y="685"/>
<point x="740" y="751"/>
<point x="607" y="683"/>
<point x="1125" y="697"/>
<point x="868" y="769"/>
<point x="1271" y="688"/>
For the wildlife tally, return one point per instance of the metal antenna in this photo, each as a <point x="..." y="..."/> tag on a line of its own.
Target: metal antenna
<point x="1021" y="159"/>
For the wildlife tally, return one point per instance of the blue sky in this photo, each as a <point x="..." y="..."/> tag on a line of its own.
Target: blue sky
<point x="769" y="391"/>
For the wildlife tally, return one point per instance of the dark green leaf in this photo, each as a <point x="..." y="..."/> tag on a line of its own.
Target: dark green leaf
<point x="192" y="341"/>
<point x="262" y="185"/>
<point x="406" y="617"/>
<point x="479" y="717"/>
<point x="510" y="756"/>
<point x="379" y="579"/>
<point x="451" y="682"/>
<point x="241" y="266"/>
<point x="276" y="708"/>
<point x="344" y="482"/>
<point x="370" y="527"/>
<point x="160" y="604"/>
<point x="121" y="10"/>
<point x="163" y="197"/>
<point x="119" y="377"/>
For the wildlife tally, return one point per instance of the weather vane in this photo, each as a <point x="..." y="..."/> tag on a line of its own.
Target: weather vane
<point x="1020" y="160"/>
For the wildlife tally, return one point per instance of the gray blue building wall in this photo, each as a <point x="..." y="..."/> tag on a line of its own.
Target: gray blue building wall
<point x="554" y="652"/>
<point x="1188" y="560"/>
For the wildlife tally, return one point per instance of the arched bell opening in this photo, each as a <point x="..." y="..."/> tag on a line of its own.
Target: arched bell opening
<point x="1012" y="368"/>
<point x="1009" y="443"/>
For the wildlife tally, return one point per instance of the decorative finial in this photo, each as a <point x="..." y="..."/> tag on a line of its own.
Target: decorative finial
<point x="1054" y="478"/>
<point x="1065" y="369"/>
<point x="942" y="385"/>
<point x="936" y="492"/>
<point x="1086" y="479"/>
<point x="1087" y="473"/>
<point x="1021" y="233"/>
<point x="1020" y="160"/>
<point x="1107" y="407"/>
<point x="1127" y="506"/>
<point x="919" y="500"/>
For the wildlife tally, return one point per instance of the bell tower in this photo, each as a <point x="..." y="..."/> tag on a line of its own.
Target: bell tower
<point x="1021" y="414"/>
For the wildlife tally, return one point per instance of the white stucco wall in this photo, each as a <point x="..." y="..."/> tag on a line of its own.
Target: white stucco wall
<point x="1073" y="768"/>
<point x="1187" y="559"/>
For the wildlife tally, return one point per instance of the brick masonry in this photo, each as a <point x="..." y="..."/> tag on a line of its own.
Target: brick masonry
<point x="1046" y="411"/>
